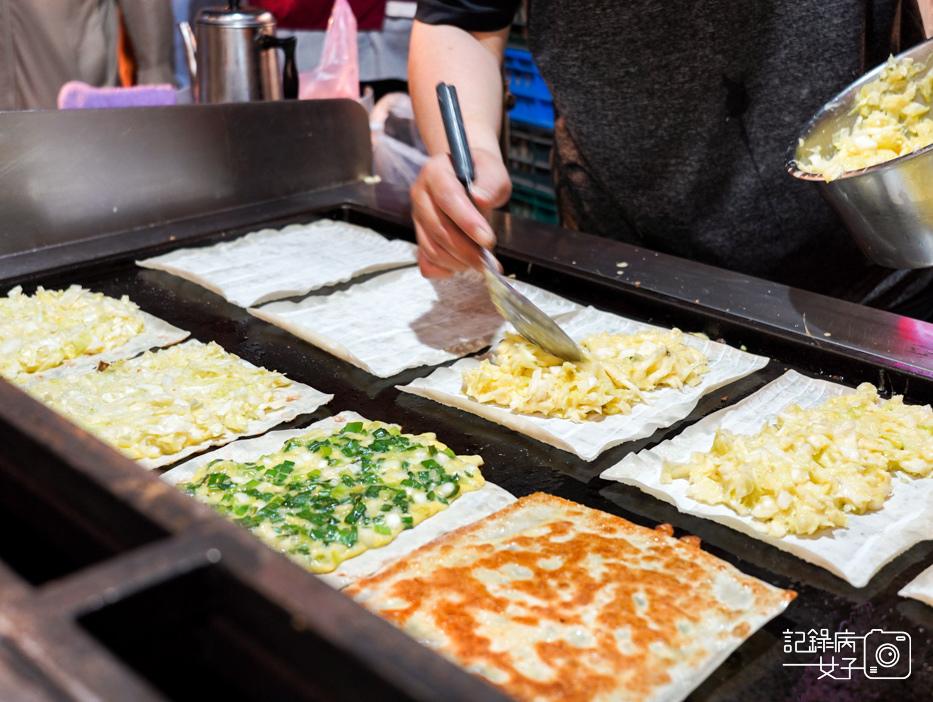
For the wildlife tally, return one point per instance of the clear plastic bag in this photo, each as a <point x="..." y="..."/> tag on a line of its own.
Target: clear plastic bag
<point x="398" y="152"/>
<point x="338" y="73"/>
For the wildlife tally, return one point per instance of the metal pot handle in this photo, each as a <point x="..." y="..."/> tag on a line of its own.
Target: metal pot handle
<point x="290" y="70"/>
<point x="191" y="50"/>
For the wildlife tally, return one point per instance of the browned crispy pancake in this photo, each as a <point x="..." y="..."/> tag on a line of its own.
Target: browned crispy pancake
<point x="551" y="600"/>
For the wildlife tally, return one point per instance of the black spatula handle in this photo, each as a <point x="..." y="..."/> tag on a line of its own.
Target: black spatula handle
<point x="456" y="136"/>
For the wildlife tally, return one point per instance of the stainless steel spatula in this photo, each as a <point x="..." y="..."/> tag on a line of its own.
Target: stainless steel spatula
<point x="527" y="319"/>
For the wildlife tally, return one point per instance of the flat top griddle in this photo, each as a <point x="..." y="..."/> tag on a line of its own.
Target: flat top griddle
<point x="521" y="465"/>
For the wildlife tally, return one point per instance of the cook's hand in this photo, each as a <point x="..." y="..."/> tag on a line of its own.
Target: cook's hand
<point x="447" y="224"/>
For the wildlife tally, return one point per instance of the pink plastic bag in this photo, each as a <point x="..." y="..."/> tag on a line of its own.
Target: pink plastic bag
<point x="338" y="73"/>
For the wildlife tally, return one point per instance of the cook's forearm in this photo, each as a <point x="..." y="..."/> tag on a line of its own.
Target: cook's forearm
<point x="926" y="12"/>
<point x="472" y="63"/>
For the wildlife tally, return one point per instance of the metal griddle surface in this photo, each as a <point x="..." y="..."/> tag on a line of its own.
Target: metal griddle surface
<point x="522" y="465"/>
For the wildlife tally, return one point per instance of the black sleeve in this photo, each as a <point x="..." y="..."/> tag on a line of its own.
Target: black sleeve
<point x="471" y="15"/>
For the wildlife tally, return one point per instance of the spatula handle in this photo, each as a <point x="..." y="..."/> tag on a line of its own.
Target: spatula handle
<point x="456" y="136"/>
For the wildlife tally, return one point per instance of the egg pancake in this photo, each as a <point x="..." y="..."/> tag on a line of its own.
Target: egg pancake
<point x="551" y="600"/>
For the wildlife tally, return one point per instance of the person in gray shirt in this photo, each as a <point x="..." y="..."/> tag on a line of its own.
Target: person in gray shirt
<point x="46" y="43"/>
<point x="673" y="123"/>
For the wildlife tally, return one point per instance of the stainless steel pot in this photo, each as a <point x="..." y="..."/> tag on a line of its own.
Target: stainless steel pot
<point x="888" y="208"/>
<point x="232" y="58"/>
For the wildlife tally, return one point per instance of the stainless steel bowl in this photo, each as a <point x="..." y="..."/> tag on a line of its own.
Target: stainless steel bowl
<point x="888" y="208"/>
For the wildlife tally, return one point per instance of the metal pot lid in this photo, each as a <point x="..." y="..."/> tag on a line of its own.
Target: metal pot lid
<point x="236" y="16"/>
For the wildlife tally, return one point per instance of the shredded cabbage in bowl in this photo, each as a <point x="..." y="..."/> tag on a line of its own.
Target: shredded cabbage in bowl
<point x="161" y="402"/>
<point x="809" y="469"/>
<point x="617" y="372"/>
<point x="42" y="331"/>
<point x="892" y="121"/>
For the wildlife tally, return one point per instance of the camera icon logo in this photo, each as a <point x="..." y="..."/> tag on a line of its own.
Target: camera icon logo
<point x="886" y="655"/>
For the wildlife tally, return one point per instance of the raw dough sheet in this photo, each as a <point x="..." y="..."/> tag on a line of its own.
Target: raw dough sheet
<point x="157" y="333"/>
<point x="272" y="264"/>
<point x="590" y="438"/>
<point x="402" y="320"/>
<point x="467" y="509"/>
<point x="854" y="553"/>
<point x="920" y="588"/>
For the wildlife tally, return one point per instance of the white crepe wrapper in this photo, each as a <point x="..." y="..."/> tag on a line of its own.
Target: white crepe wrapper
<point x="466" y="509"/>
<point x="273" y="264"/>
<point x="854" y="553"/>
<point x="157" y="333"/>
<point x="402" y="320"/>
<point x="590" y="438"/>
<point x="920" y="588"/>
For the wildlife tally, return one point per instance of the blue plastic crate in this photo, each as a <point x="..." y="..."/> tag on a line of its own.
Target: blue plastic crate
<point x="530" y="144"/>
<point x="533" y="104"/>
<point x="529" y="157"/>
<point x="533" y="203"/>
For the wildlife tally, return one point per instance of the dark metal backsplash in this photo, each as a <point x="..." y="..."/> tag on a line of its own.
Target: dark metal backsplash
<point x="72" y="175"/>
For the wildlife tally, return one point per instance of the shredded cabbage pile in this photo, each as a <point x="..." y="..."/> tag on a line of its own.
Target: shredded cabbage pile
<point x="44" y="330"/>
<point x="808" y="469"/>
<point x="617" y="371"/>
<point x="161" y="402"/>
<point x="891" y="122"/>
